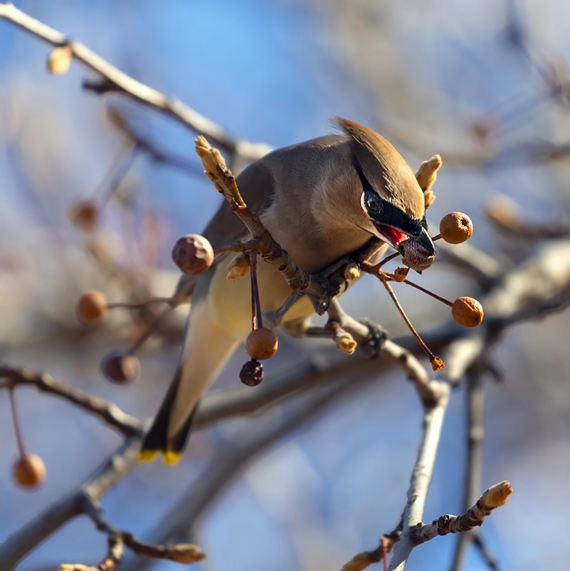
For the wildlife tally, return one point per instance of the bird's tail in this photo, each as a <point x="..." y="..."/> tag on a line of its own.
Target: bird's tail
<point x="207" y="348"/>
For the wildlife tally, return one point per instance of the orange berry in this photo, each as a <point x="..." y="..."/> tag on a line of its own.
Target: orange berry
<point x="193" y="254"/>
<point x="84" y="214"/>
<point x="261" y="344"/>
<point x="91" y="307"/>
<point x="251" y="373"/>
<point x="29" y="471"/>
<point x="456" y="227"/>
<point x="467" y="311"/>
<point x="120" y="367"/>
<point x="415" y="256"/>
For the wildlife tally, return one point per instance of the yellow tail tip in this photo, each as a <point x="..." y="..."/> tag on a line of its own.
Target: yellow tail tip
<point x="170" y="457"/>
<point x="147" y="455"/>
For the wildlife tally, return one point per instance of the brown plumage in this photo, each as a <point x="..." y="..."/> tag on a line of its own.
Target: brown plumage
<point x="387" y="171"/>
<point x="321" y="200"/>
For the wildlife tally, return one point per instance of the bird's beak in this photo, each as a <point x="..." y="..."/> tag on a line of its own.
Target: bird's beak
<point x="425" y="242"/>
<point x="394" y="226"/>
<point x="395" y="237"/>
<point x="390" y="234"/>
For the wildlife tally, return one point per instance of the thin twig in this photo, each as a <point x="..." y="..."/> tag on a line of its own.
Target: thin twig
<point x="118" y="81"/>
<point x="110" y="413"/>
<point x="494" y="497"/>
<point x="185" y="553"/>
<point x="474" y="403"/>
<point x="234" y="456"/>
<point x="17" y="422"/>
<point x="421" y="477"/>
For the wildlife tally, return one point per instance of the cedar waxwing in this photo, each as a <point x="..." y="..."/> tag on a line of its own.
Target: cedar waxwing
<point x="321" y="200"/>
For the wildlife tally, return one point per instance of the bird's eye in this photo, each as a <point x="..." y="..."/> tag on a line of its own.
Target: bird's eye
<point x="372" y="202"/>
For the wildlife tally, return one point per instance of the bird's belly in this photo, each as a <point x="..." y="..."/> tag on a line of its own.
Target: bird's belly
<point x="231" y="300"/>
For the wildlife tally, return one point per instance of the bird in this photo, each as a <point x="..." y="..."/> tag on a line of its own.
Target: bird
<point x="321" y="200"/>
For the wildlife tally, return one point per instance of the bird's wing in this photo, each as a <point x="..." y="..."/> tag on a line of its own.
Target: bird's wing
<point x="257" y="185"/>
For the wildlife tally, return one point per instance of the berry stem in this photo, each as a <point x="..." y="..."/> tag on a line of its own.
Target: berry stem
<point x="436" y="237"/>
<point x="149" y="330"/>
<point x="117" y="172"/>
<point x="228" y="250"/>
<point x="434" y="295"/>
<point x="256" y="319"/>
<point x="405" y="317"/>
<point x="141" y="305"/>
<point x="387" y="259"/>
<point x="17" y="423"/>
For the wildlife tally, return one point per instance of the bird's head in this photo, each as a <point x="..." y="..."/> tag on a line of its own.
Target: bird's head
<point x="391" y="197"/>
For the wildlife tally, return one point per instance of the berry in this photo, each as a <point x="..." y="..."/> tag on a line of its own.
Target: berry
<point x="251" y="373"/>
<point x="261" y="344"/>
<point x="91" y="307"/>
<point x="467" y="311"/>
<point x="84" y="215"/>
<point x="193" y="254"/>
<point x="415" y="256"/>
<point x="456" y="227"/>
<point x="120" y="367"/>
<point x="29" y="471"/>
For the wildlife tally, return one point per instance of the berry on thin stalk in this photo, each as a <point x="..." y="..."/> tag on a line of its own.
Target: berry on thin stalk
<point x="456" y="227"/>
<point x="261" y="344"/>
<point x="84" y="215"/>
<point x="251" y="373"/>
<point x="120" y="368"/>
<point x="90" y="307"/>
<point x="29" y="471"/>
<point x="467" y="311"/>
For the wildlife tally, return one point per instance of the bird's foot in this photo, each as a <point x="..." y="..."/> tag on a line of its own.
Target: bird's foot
<point x="372" y="345"/>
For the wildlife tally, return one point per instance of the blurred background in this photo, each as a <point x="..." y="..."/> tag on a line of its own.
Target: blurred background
<point x="484" y="84"/>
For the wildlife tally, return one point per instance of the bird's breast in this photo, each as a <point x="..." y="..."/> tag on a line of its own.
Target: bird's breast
<point x="231" y="300"/>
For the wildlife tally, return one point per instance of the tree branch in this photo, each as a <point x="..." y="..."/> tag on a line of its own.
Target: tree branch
<point x="118" y="81"/>
<point x="421" y="477"/>
<point x="494" y="497"/>
<point x="474" y="403"/>
<point x="110" y="413"/>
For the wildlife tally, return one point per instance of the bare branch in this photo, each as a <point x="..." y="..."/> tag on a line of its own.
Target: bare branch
<point x="118" y="81"/>
<point x="233" y="456"/>
<point x="180" y="552"/>
<point x="474" y="401"/>
<point x="494" y="497"/>
<point x="126" y="424"/>
<point x="421" y="477"/>
<point x="19" y="544"/>
<point x="469" y="259"/>
<point x="111" y="561"/>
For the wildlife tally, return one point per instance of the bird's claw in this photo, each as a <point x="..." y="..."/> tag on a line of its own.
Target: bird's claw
<point x="372" y="347"/>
